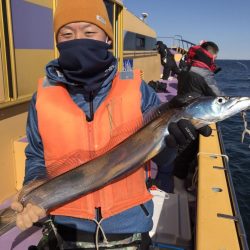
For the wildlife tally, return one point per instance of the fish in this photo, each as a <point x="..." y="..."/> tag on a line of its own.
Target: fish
<point x="127" y="156"/>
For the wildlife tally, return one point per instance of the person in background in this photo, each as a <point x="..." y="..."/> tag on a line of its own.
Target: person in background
<point x="183" y="65"/>
<point x="199" y="78"/>
<point x="167" y="60"/>
<point x="200" y="74"/>
<point x="81" y="104"/>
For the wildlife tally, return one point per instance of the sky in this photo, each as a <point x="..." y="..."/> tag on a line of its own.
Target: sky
<point x="225" y="22"/>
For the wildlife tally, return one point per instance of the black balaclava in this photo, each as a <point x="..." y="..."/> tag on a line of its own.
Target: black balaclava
<point x="86" y="62"/>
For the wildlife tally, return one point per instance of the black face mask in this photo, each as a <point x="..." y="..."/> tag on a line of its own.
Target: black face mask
<point x="86" y="62"/>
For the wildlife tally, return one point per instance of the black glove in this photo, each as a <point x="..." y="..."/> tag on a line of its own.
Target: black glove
<point x="182" y="132"/>
<point x="158" y="86"/>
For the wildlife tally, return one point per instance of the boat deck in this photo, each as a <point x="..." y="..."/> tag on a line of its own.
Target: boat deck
<point x="171" y="88"/>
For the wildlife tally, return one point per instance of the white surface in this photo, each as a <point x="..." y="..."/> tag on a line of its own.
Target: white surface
<point x="158" y="200"/>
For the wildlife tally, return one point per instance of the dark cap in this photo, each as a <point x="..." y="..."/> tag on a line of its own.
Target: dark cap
<point x="159" y="42"/>
<point x="212" y="45"/>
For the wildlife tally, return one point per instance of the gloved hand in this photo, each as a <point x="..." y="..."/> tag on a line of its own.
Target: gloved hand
<point x="183" y="131"/>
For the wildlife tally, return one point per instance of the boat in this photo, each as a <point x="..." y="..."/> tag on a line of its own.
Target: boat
<point x="217" y="224"/>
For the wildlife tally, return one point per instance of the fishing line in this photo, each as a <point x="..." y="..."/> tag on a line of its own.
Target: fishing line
<point x="246" y="130"/>
<point x="243" y="65"/>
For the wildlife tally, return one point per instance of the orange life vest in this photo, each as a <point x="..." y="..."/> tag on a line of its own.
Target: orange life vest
<point x="69" y="140"/>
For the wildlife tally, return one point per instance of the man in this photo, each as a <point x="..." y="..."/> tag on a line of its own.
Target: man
<point x="198" y="79"/>
<point x="167" y="60"/>
<point x="79" y="107"/>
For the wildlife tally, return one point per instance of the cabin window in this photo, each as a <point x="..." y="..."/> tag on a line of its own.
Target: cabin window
<point x="140" y="43"/>
<point x="27" y="45"/>
<point x="134" y="41"/>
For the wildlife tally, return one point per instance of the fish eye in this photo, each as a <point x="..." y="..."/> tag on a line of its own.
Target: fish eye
<point x="221" y="100"/>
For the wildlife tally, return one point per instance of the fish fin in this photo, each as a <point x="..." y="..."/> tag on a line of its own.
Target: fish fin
<point x="7" y="220"/>
<point x="118" y="133"/>
<point x="77" y="158"/>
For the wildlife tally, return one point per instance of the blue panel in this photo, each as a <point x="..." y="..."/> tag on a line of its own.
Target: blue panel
<point x="128" y="64"/>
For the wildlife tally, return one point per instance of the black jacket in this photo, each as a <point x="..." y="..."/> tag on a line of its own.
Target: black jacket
<point x="189" y="81"/>
<point x="166" y="56"/>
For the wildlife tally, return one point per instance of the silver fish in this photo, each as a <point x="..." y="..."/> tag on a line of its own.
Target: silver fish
<point x="125" y="158"/>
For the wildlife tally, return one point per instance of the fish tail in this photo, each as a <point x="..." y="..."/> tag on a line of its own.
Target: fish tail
<point x="7" y="220"/>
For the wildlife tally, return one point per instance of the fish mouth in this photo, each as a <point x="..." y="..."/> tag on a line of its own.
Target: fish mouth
<point x="239" y="104"/>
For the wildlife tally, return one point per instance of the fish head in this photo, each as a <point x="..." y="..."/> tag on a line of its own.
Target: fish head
<point x="207" y="110"/>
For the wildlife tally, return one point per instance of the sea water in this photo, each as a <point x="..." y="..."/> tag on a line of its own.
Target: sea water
<point x="234" y="80"/>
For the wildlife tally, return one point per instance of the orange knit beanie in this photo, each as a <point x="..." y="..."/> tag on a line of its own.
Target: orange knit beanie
<point x="90" y="11"/>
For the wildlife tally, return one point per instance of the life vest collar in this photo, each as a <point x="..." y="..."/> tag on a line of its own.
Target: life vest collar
<point x="199" y="57"/>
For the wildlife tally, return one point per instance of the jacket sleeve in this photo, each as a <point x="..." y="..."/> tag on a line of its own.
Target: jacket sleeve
<point x="149" y="98"/>
<point x="199" y="83"/>
<point x="189" y="81"/>
<point x="35" y="164"/>
<point x="212" y="85"/>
